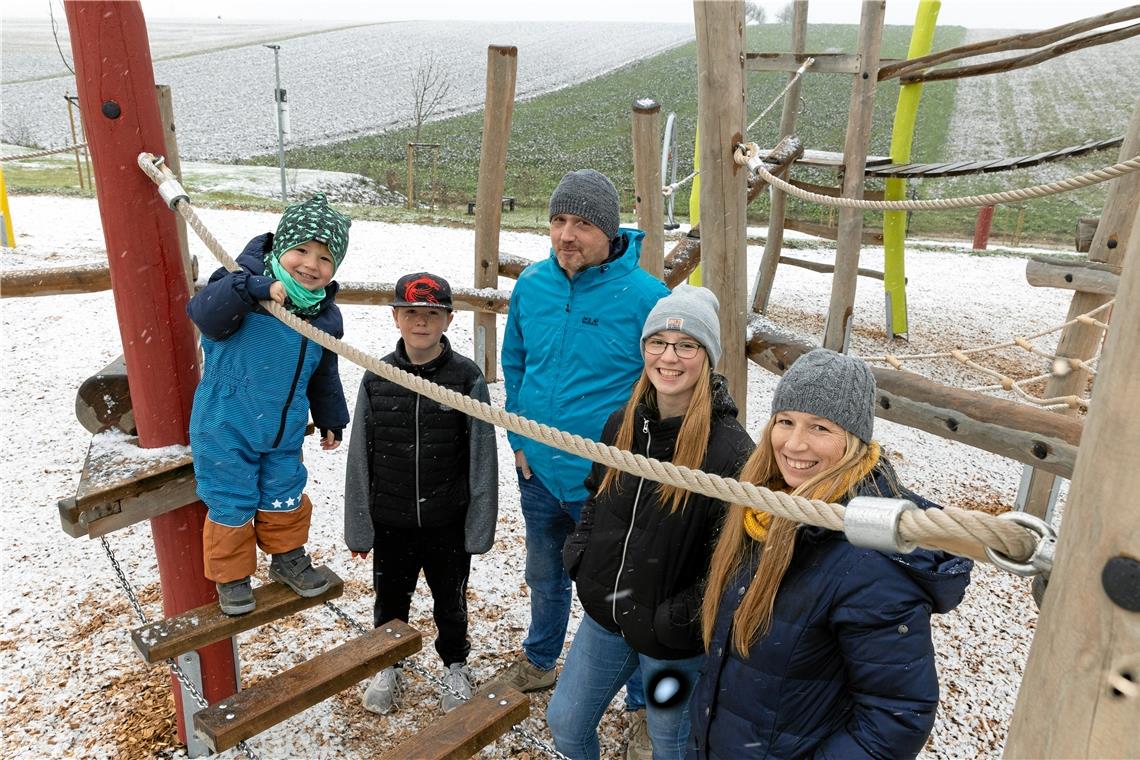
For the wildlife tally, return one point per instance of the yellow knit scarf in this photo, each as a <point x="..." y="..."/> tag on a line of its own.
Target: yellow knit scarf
<point x="757" y="522"/>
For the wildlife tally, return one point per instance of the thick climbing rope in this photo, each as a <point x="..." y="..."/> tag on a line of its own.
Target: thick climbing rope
<point x="749" y="155"/>
<point x="52" y="151"/>
<point x="958" y="530"/>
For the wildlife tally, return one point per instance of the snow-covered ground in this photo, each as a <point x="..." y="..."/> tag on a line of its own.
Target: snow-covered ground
<point x="72" y="686"/>
<point x="340" y="83"/>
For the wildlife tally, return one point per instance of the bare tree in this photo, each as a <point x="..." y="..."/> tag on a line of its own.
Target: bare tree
<point x="430" y="84"/>
<point x="754" y="13"/>
<point x="786" y="14"/>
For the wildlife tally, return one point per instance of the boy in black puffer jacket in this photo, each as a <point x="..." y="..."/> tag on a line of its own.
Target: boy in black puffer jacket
<point x="421" y="484"/>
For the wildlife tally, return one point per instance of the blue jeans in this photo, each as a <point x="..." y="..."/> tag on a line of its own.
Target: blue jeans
<point x="549" y="522"/>
<point x="598" y="663"/>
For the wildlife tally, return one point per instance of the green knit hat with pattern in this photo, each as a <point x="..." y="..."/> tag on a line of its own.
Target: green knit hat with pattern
<point x="315" y="220"/>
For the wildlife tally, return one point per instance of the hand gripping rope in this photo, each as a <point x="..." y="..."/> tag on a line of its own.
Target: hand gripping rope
<point x="956" y="530"/>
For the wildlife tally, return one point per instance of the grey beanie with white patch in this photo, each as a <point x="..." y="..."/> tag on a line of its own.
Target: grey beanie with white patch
<point x="834" y="386"/>
<point x="690" y="310"/>
<point x="590" y="195"/>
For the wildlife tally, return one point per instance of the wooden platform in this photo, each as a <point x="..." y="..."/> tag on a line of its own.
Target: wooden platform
<point x="489" y="714"/>
<point x="273" y="700"/>
<point x="123" y="484"/>
<point x="198" y="627"/>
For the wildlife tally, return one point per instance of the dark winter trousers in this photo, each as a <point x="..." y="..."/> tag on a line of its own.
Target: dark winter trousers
<point x="397" y="557"/>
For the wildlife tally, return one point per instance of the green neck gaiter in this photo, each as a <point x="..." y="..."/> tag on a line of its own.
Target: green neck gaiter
<point x="303" y="300"/>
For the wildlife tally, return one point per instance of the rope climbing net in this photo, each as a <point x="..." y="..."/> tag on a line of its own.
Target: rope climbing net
<point x="960" y="531"/>
<point x="1059" y="365"/>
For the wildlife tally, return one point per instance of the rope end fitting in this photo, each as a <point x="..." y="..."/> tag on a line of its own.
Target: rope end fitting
<point x="873" y="523"/>
<point x="1040" y="562"/>
<point x="172" y="192"/>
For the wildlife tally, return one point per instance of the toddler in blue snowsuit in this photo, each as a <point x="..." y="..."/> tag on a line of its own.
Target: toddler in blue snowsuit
<point x="251" y="408"/>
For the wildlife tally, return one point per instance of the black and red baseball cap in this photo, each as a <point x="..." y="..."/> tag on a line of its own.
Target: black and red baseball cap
<point x="423" y="289"/>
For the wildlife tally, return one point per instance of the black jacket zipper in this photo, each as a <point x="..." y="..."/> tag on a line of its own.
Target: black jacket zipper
<point x="292" y="391"/>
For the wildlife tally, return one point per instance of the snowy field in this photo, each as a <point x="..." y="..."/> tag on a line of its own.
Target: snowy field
<point x="223" y="97"/>
<point x="72" y="686"/>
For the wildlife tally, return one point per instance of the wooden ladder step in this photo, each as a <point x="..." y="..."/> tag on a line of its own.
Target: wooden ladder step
<point x="489" y="714"/>
<point x="269" y="702"/>
<point x="198" y="627"/>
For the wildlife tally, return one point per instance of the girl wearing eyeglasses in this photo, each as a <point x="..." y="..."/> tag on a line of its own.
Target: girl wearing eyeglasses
<point x="640" y="554"/>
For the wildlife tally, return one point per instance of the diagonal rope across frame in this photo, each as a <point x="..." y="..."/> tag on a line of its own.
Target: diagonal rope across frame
<point x="956" y="530"/>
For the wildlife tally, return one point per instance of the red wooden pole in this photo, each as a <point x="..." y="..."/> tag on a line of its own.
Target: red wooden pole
<point x="982" y="227"/>
<point x="115" y="80"/>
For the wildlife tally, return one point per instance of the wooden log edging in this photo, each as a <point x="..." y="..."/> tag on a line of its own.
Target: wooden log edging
<point x="53" y="281"/>
<point x="1020" y="432"/>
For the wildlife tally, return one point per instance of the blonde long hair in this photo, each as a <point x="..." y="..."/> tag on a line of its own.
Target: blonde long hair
<point x="692" y="438"/>
<point x="734" y="548"/>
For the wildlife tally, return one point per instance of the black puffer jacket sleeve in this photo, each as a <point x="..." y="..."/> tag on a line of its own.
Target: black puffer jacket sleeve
<point x="575" y="545"/>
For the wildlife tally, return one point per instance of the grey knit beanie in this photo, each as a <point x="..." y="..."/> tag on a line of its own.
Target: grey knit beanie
<point x="690" y="310"/>
<point x="834" y="386"/>
<point x="590" y="195"/>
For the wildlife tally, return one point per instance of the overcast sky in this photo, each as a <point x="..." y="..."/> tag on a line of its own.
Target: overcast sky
<point x="979" y="14"/>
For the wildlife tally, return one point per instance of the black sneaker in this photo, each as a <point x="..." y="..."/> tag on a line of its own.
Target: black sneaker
<point x="236" y="597"/>
<point x="295" y="570"/>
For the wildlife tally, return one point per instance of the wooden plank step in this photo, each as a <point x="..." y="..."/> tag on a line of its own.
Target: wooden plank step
<point x="269" y="702"/>
<point x="489" y="714"/>
<point x="196" y="628"/>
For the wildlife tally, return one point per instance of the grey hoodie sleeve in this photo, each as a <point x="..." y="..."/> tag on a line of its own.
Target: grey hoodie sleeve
<point x="358" y="531"/>
<point x="483" y="479"/>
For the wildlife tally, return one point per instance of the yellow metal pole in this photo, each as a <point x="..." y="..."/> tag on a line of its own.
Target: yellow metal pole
<point x="9" y="236"/>
<point x="894" y="222"/>
<point x="695" y="201"/>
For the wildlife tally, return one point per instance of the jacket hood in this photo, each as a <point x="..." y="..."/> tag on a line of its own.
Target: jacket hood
<point x="943" y="576"/>
<point x="723" y="405"/>
<point x="625" y="252"/>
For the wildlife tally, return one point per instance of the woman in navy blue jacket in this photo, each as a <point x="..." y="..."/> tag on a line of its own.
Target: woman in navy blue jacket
<point x="818" y="648"/>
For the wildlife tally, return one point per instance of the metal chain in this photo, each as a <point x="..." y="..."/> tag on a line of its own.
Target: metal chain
<point x="180" y="674"/>
<point x="410" y="664"/>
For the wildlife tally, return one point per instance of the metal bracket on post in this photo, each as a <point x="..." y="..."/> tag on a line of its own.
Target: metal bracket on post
<point x="191" y="667"/>
<point x="481" y="348"/>
<point x="1023" y="493"/>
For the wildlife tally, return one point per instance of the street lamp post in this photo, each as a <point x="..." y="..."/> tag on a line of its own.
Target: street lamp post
<point x="279" y="99"/>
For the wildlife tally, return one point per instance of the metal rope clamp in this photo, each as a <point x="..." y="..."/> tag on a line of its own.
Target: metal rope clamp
<point x="1041" y="561"/>
<point x="873" y="523"/>
<point x="172" y="192"/>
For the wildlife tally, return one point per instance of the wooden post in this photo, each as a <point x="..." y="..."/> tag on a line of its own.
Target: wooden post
<point x="1080" y="696"/>
<point x="650" y="204"/>
<point x="982" y="228"/>
<point x="840" y="311"/>
<point x="724" y="189"/>
<point x="502" y="69"/>
<point x="74" y="139"/>
<point x="766" y="274"/>
<point x="1118" y="226"/>
<point x="115" y="81"/>
<point x="166" y="113"/>
<point x="411" y="169"/>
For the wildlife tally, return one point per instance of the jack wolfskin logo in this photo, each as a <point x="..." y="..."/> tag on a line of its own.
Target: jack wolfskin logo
<point x="591" y="321"/>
